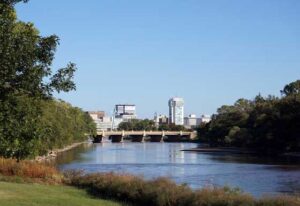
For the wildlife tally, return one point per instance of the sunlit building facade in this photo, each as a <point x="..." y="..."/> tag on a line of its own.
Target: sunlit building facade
<point x="176" y="111"/>
<point x="125" y="111"/>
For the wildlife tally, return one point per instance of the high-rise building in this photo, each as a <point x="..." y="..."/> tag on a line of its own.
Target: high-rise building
<point x="176" y="111"/>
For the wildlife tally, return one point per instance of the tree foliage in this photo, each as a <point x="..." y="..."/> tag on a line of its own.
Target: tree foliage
<point x="269" y="125"/>
<point x="171" y="127"/>
<point x="27" y="83"/>
<point x="291" y="89"/>
<point x="62" y="124"/>
<point x="26" y="59"/>
<point x="148" y="125"/>
<point x="137" y="125"/>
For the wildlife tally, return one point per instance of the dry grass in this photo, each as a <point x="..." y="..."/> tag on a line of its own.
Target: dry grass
<point x="164" y="192"/>
<point x="136" y="190"/>
<point x="34" y="171"/>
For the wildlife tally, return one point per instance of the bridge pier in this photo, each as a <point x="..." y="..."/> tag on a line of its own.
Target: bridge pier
<point x="116" y="138"/>
<point x="98" y="139"/>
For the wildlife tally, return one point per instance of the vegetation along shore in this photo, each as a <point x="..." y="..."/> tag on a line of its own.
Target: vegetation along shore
<point x="45" y="182"/>
<point x="33" y="122"/>
<point x="266" y="125"/>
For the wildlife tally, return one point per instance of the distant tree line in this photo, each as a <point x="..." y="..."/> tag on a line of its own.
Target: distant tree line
<point x="171" y="127"/>
<point x="31" y="121"/>
<point x="137" y="125"/>
<point x="266" y="124"/>
<point x="62" y="124"/>
<point x="148" y="125"/>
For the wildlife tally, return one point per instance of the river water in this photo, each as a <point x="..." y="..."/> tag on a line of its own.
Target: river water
<point x="254" y="175"/>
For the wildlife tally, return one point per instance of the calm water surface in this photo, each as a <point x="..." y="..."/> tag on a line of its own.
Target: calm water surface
<point x="254" y="175"/>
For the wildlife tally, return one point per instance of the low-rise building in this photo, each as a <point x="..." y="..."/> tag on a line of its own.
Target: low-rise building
<point x="103" y="123"/>
<point x="122" y="113"/>
<point x="191" y="121"/>
<point x="125" y="111"/>
<point x="205" y="119"/>
<point x="160" y="119"/>
<point x="96" y="115"/>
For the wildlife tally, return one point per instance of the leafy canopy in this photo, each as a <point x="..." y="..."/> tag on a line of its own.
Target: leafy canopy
<point x="26" y="58"/>
<point x="26" y="81"/>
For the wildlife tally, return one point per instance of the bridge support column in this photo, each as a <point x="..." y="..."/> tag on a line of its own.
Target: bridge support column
<point x="193" y="135"/>
<point x="137" y="138"/>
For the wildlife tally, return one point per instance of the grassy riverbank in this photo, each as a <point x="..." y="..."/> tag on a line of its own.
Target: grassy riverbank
<point x="164" y="192"/>
<point x="16" y="194"/>
<point x="32" y="183"/>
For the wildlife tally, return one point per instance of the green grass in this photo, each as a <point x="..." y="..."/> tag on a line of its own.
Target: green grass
<point x="14" y="194"/>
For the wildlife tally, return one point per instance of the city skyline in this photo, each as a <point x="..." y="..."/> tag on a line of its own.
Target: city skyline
<point x="166" y="113"/>
<point x="209" y="53"/>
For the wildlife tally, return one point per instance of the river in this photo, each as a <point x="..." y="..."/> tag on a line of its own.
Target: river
<point x="254" y="175"/>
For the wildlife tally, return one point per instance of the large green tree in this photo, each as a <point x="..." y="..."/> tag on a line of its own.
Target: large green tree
<point x="292" y="88"/>
<point x="266" y="124"/>
<point x="26" y="78"/>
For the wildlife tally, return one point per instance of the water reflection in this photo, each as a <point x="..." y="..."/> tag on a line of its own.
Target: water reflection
<point x="76" y="154"/>
<point x="256" y="175"/>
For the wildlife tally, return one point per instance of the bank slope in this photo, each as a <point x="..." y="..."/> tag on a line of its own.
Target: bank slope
<point x="14" y="194"/>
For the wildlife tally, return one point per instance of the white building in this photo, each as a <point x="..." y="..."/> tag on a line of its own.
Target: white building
<point x="191" y="121"/>
<point x="160" y="119"/>
<point x="96" y="115"/>
<point x="125" y="111"/>
<point x="104" y="124"/>
<point x="205" y="119"/>
<point x="122" y="113"/>
<point x="176" y="111"/>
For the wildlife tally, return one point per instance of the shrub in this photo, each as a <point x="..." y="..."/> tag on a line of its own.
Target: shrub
<point x="164" y="192"/>
<point x="279" y="201"/>
<point x="29" y="169"/>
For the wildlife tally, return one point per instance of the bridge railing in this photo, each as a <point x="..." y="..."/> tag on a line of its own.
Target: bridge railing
<point x="147" y="133"/>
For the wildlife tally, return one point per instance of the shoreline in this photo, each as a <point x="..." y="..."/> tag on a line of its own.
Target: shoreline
<point x="220" y="150"/>
<point x="234" y="150"/>
<point x="52" y="154"/>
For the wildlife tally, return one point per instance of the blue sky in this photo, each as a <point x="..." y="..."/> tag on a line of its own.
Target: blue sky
<point x="144" y="52"/>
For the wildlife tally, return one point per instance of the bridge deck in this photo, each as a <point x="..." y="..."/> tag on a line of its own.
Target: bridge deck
<point x="147" y="133"/>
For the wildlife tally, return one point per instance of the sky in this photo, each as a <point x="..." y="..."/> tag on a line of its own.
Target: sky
<point x="210" y="52"/>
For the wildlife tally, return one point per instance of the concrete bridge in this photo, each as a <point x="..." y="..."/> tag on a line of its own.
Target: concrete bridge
<point x="140" y="136"/>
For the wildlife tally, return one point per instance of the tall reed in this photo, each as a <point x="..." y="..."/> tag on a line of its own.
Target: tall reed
<point x="164" y="192"/>
<point x="29" y="169"/>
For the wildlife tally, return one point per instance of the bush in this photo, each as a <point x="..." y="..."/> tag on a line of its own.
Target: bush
<point x="37" y="172"/>
<point x="164" y="192"/>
